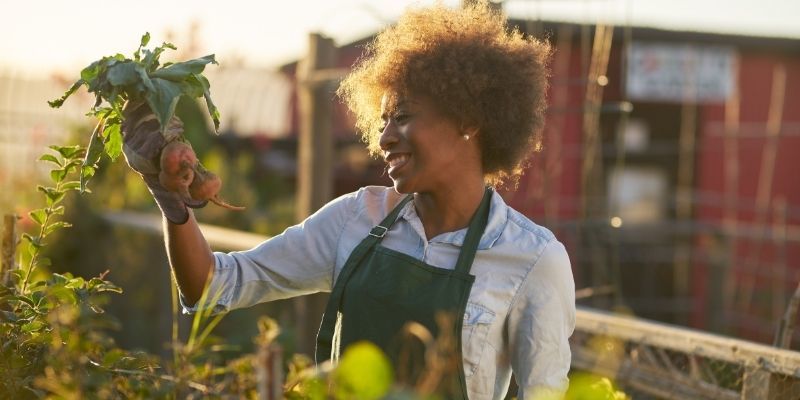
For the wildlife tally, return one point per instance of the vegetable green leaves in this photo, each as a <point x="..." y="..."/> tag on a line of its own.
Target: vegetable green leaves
<point x="123" y="73"/>
<point x="60" y="101"/>
<point x="163" y="99"/>
<point x="179" y="72"/>
<point x="116" y="80"/>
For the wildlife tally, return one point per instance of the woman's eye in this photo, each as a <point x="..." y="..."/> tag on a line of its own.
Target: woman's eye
<point x="397" y="119"/>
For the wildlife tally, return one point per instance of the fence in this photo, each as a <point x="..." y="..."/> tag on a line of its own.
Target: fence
<point x="655" y="360"/>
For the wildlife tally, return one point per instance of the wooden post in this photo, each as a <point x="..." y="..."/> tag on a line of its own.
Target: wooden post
<point x="315" y="162"/>
<point x="760" y="384"/>
<point x="683" y="200"/>
<point x="269" y="372"/>
<point x="315" y="153"/>
<point x="730" y="212"/>
<point x="9" y="246"/>
<point x="769" y="155"/>
<point x="755" y="383"/>
<point x="592" y="168"/>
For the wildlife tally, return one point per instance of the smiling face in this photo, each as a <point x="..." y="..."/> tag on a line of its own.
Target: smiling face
<point x="425" y="151"/>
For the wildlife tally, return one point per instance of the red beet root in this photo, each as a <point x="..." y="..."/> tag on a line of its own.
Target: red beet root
<point x="182" y="173"/>
<point x="176" y="182"/>
<point x="177" y="156"/>
<point x="206" y="186"/>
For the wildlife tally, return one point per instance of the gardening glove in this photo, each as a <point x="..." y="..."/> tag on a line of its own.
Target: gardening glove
<point x="142" y="145"/>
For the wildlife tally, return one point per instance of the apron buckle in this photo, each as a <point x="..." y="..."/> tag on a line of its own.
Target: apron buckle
<point x="377" y="232"/>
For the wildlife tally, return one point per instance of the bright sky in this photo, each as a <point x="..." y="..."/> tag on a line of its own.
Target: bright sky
<point x="40" y="37"/>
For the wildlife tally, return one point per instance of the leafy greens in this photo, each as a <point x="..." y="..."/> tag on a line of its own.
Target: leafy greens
<point x="116" y="80"/>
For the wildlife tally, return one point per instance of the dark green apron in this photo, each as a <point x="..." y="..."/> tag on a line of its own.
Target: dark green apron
<point x="379" y="290"/>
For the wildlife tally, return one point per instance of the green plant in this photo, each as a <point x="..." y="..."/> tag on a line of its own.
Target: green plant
<point x="53" y="328"/>
<point x="66" y="160"/>
<point x="55" y="342"/>
<point x="37" y="306"/>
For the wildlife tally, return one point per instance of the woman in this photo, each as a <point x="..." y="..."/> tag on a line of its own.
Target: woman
<point x="453" y="102"/>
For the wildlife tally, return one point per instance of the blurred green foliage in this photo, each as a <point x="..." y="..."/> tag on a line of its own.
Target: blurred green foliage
<point x="356" y="381"/>
<point x="56" y="343"/>
<point x="586" y="386"/>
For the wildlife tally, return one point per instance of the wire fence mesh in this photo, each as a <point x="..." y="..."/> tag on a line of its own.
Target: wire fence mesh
<point x="651" y="360"/>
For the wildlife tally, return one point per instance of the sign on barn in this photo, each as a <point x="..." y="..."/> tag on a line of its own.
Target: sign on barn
<point x="671" y="72"/>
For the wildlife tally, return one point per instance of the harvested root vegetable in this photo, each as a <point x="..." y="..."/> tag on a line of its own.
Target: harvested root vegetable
<point x="183" y="174"/>
<point x="176" y="182"/>
<point x="206" y="186"/>
<point x="176" y="157"/>
<point x="177" y="166"/>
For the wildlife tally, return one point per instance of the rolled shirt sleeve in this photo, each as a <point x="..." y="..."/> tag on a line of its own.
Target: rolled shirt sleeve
<point x="299" y="261"/>
<point x="541" y="320"/>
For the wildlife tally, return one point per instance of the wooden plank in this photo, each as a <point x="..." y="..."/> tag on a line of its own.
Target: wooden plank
<point x="218" y="238"/>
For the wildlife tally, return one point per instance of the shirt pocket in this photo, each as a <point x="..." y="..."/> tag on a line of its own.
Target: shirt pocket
<point x="477" y="321"/>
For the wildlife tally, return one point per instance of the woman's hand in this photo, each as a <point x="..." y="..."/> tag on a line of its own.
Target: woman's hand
<point x="143" y="142"/>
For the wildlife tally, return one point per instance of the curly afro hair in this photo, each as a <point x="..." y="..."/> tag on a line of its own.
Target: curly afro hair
<point x="478" y="71"/>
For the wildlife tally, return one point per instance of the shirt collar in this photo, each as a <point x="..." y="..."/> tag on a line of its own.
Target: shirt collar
<point x="498" y="217"/>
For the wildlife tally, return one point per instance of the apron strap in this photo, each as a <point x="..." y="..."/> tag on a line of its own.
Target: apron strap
<point x="379" y="231"/>
<point x="329" y="318"/>
<point x="476" y="227"/>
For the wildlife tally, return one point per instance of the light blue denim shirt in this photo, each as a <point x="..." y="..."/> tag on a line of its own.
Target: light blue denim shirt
<point x="520" y="312"/>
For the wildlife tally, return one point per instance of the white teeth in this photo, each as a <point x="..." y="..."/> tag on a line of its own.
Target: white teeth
<point x="397" y="160"/>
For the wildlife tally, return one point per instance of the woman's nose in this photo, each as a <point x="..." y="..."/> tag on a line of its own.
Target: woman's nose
<point x="388" y="136"/>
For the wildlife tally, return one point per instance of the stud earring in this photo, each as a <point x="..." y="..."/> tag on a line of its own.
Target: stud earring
<point x="466" y="137"/>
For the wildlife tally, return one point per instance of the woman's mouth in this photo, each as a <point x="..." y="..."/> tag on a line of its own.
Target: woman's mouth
<point x="396" y="161"/>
